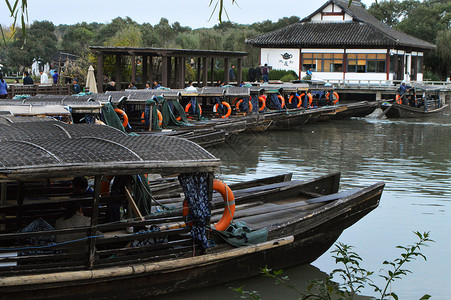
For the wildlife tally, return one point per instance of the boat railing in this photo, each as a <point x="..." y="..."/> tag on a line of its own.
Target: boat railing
<point x="94" y="246"/>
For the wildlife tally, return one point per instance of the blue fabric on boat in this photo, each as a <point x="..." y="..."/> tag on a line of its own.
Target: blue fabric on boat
<point x="238" y="234"/>
<point x="244" y="106"/>
<point x="39" y="225"/>
<point x="274" y="100"/>
<point x="195" y="187"/>
<point x="149" y="241"/>
<point x="254" y="101"/>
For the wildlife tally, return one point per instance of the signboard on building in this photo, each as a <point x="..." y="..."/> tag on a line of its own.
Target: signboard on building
<point x="281" y="58"/>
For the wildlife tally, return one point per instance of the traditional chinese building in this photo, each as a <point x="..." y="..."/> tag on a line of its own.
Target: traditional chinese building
<point x="342" y="42"/>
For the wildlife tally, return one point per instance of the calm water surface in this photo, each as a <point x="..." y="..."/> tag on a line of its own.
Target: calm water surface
<point x="413" y="157"/>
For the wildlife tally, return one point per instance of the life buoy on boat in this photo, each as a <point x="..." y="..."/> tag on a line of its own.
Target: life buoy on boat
<point x="299" y="99"/>
<point x="310" y="98"/>
<point x="282" y="100"/>
<point x="398" y="99"/>
<point x="239" y="103"/>
<point x="229" y="203"/>
<point x="160" y="118"/>
<point x="187" y="107"/>
<point x="335" y="96"/>
<point x="262" y="100"/>
<point x="124" y="116"/>
<point x="229" y="109"/>
<point x="235" y="100"/>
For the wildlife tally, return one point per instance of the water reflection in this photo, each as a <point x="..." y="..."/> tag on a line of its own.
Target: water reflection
<point x="411" y="156"/>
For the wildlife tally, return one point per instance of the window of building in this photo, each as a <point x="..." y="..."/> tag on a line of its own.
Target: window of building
<point x="322" y="62"/>
<point x="419" y="64"/>
<point x="366" y="63"/>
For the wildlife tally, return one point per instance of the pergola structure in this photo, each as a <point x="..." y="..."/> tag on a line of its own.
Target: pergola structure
<point x="173" y="60"/>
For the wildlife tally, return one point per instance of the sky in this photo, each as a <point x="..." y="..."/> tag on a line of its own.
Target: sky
<point x="194" y="14"/>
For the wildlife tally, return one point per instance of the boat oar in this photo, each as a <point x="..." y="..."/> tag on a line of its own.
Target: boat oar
<point x="384" y="112"/>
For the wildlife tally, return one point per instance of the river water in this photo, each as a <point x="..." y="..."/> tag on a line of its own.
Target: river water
<point x="412" y="156"/>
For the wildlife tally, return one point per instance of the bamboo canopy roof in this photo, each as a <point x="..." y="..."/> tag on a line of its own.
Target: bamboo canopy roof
<point x="88" y="150"/>
<point x="165" y="52"/>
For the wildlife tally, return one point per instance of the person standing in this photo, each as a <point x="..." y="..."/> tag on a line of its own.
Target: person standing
<point x="252" y="74"/>
<point x="258" y="73"/>
<point x="402" y="91"/>
<point x="132" y="86"/>
<point x="232" y="76"/>
<point x="265" y="73"/>
<point x="55" y="77"/>
<point x="44" y="77"/>
<point x="77" y="88"/>
<point x="27" y="79"/>
<point x="309" y="74"/>
<point x="3" y="88"/>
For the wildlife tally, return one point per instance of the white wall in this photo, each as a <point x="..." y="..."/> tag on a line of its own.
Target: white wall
<point x="274" y="58"/>
<point x="366" y="76"/>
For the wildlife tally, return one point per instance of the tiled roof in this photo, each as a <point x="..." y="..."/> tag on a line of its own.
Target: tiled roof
<point x="365" y="30"/>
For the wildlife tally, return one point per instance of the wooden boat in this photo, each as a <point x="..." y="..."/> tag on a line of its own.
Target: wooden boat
<point x="357" y="109"/>
<point x="424" y="101"/>
<point x="302" y="219"/>
<point x="395" y="110"/>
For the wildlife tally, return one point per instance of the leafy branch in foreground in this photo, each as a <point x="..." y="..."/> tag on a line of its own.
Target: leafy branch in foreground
<point x="354" y="278"/>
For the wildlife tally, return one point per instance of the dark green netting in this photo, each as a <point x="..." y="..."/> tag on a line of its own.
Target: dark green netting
<point x="169" y="119"/>
<point x="239" y="234"/>
<point x="110" y="117"/>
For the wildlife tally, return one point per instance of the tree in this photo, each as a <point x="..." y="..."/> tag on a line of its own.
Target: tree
<point x="41" y="45"/>
<point x="129" y="36"/>
<point x="444" y="51"/>
<point x="77" y="38"/>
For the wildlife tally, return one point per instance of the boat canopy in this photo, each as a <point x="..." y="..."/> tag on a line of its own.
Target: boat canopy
<point x="66" y="150"/>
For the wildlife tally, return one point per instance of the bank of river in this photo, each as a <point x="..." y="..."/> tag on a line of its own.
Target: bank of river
<point x="413" y="157"/>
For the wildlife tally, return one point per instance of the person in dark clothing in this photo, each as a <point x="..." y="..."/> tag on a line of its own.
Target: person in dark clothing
<point x="111" y="86"/>
<point x="77" y="88"/>
<point x="27" y="79"/>
<point x="252" y="74"/>
<point x="232" y="76"/>
<point x="402" y="91"/>
<point x="258" y="73"/>
<point x="81" y="187"/>
<point x="265" y="73"/>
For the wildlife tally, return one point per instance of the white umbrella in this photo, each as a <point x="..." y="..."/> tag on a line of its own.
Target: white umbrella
<point x="91" y="80"/>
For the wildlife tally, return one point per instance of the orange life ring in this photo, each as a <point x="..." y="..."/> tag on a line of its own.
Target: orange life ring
<point x="124" y="116"/>
<point x="160" y="118"/>
<point x="282" y="100"/>
<point x="299" y="100"/>
<point x="239" y="103"/>
<point x="188" y="106"/>
<point x="229" y="109"/>
<point x="262" y="99"/>
<point x="229" y="209"/>
<point x="398" y="99"/>
<point x="235" y="100"/>
<point x="310" y="98"/>
<point x="336" y="97"/>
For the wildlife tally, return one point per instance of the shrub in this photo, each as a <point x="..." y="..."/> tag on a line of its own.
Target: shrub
<point x="288" y="78"/>
<point x="279" y="74"/>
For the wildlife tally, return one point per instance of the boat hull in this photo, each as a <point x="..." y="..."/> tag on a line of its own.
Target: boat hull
<point x="396" y="111"/>
<point x="298" y="241"/>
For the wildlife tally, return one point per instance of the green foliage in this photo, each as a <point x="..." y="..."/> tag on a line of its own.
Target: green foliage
<point x="353" y="277"/>
<point x="279" y="74"/>
<point x="129" y="36"/>
<point x="288" y="78"/>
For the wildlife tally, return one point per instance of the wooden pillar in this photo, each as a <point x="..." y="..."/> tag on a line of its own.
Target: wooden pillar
<point x="118" y="66"/>
<point x="226" y="70"/>
<point x="94" y="221"/>
<point x="144" y="70"/>
<point x="170" y="81"/>
<point x="204" y="72"/>
<point x="134" y="68"/>
<point x="301" y="63"/>
<point x="100" y="72"/>
<point x="387" y="64"/>
<point x="212" y="68"/>
<point x="239" y="76"/>
<point x="176" y="72"/>
<point x="345" y="64"/>
<point x="198" y="72"/>
<point x="151" y="75"/>
<point x="3" y="187"/>
<point x="164" y="71"/>
<point x="182" y="77"/>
